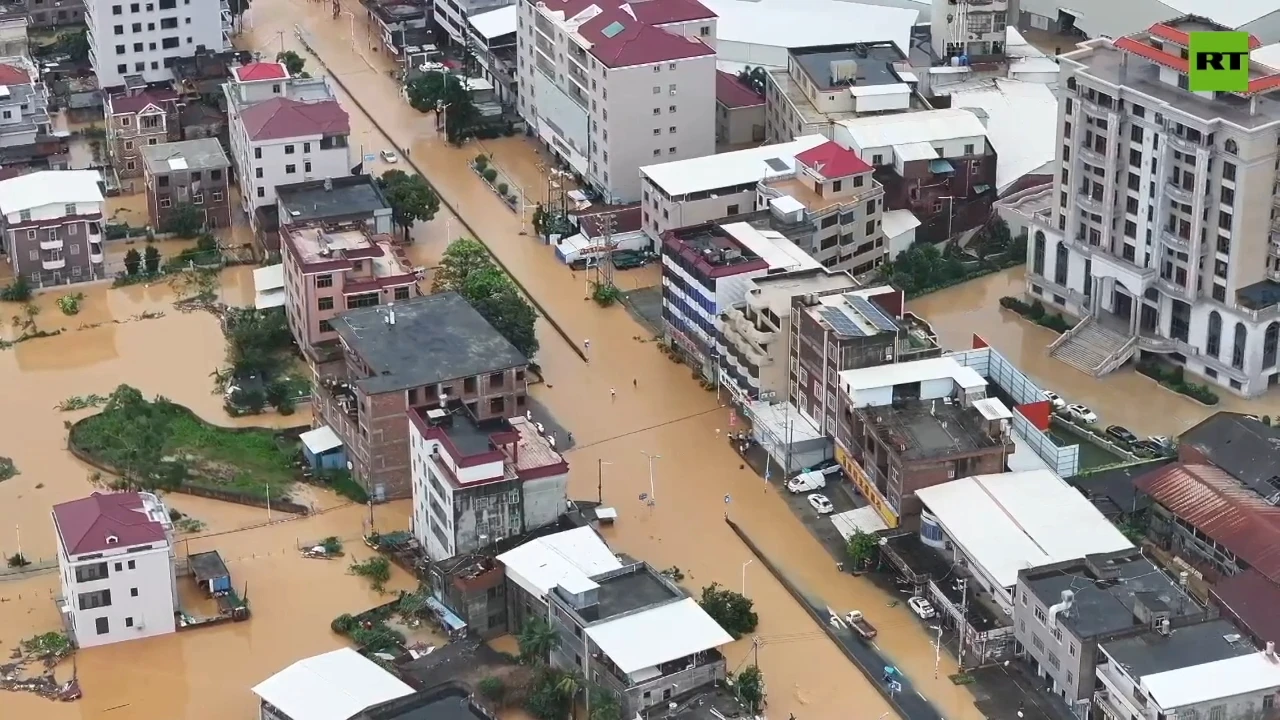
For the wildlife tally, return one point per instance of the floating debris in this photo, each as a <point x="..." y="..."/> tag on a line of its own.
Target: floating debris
<point x="82" y="402"/>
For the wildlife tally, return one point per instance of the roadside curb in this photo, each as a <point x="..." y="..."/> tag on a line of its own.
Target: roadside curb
<point x="452" y="207"/>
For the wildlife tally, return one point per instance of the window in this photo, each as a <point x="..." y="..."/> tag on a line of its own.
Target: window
<point x="326" y="326"/>
<point x="119" y="49"/>
<point x="1228" y="196"/>
<point x="325" y="303"/>
<point x="290" y="169"/>
<point x="288" y="149"/>
<point x="1037" y="642"/>
<point x="128" y="622"/>
<point x="306" y="147"/>
<point x="877" y="160"/>
<point x="132" y="565"/>
<point x="95" y="599"/>
<point x="168" y="23"/>
<point x="117" y="10"/>
<point x="671" y="109"/>
<point x="362" y="300"/>
<point x="261" y="192"/>
<point x="1040" y="616"/>
<point x="732" y="210"/>
<point x="137" y="47"/>
<point x="671" y="151"/>
<point x="871" y="227"/>
<point x="102" y="625"/>
<point x="1135" y="134"/>
<point x="118" y="29"/>
<point x="87" y="573"/>
<point x="217" y="196"/>
<point x="324" y="281"/>
<point x="968" y="149"/>
<point x="165" y="202"/>
<point x="257" y="153"/>
<point x="197" y="199"/>
<point x="136" y="27"/>
<point x="401" y="293"/>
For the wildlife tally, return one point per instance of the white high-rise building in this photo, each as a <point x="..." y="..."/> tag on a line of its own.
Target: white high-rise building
<point x="133" y="43"/>
<point x="611" y="87"/>
<point x="1162" y="230"/>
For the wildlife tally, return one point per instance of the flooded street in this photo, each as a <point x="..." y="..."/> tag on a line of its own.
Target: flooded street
<point x="959" y="312"/>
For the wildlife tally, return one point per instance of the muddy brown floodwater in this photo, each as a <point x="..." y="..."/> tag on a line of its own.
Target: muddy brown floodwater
<point x="664" y="413"/>
<point x="959" y="312"/>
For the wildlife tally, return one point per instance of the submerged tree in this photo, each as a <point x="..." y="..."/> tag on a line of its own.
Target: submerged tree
<point x="411" y="198"/>
<point x="468" y="270"/>
<point x="437" y="91"/>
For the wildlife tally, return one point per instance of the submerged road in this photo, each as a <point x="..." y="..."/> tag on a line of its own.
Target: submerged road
<point x="658" y="409"/>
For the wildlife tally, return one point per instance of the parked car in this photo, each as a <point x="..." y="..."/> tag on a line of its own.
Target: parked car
<point x="389" y="156"/>
<point x="921" y="607"/>
<point x="821" y="504"/>
<point x="1055" y="400"/>
<point x="811" y="480"/>
<point x="1148" y="448"/>
<point x="1076" y="411"/>
<point x="1121" y="433"/>
<point x="1162" y="440"/>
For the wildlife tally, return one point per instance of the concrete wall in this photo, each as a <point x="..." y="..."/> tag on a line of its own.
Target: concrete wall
<point x="544" y="500"/>
<point x="142" y="596"/>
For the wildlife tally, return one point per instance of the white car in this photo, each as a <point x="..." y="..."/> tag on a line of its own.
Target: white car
<point x="1076" y="411"/>
<point x="811" y="480"/>
<point x="389" y="156"/>
<point x="821" y="504"/>
<point x="921" y="607"/>
<point x="1055" y="400"/>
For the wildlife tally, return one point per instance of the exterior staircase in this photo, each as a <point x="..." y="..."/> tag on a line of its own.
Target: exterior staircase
<point x="1093" y="348"/>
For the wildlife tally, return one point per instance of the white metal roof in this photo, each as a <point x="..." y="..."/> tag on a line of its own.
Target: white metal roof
<point x="494" y="23"/>
<point x="332" y="686"/>
<point x="268" y="287"/>
<point x="907" y="152"/>
<point x="1234" y="13"/>
<point x="772" y="247"/>
<point x="652" y="637"/>
<point x="1022" y="120"/>
<point x="806" y="23"/>
<point x="865" y="519"/>
<point x="1268" y="55"/>
<point x="321" y="439"/>
<point x="733" y="168"/>
<point x="878" y="131"/>
<point x="897" y="222"/>
<point x="992" y="409"/>
<point x="566" y="558"/>
<point x="50" y="187"/>
<point x="909" y="372"/>
<point x="886" y="89"/>
<point x="1011" y="521"/>
<point x="1243" y="675"/>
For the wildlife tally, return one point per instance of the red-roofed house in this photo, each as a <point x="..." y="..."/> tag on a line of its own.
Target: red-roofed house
<point x="739" y="111"/>
<point x="136" y="120"/>
<point x="283" y="130"/>
<point x="635" y="86"/>
<point x="116" y="559"/>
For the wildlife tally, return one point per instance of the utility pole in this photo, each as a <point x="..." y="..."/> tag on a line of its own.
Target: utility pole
<point x="937" y="650"/>
<point x="604" y="263"/>
<point x="964" y="619"/>
<point x="600" y="479"/>
<point x="653" y="499"/>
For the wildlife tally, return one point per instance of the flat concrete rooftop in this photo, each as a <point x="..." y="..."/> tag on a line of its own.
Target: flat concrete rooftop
<point x="631" y="592"/>
<point x="930" y="429"/>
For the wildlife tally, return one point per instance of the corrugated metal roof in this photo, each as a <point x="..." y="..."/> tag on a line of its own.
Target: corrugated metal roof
<point x="1220" y="507"/>
<point x="1252" y="599"/>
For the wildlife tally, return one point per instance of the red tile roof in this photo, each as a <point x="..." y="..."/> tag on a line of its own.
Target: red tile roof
<point x="664" y="12"/>
<point x="832" y="161"/>
<point x="12" y="75"/>
<point x="261" y="71"/>
<point x="1222" y="508"/>
<point x="126" y="104"/>
<point x="85" y="524"/>
<point x="733" y="93"/>
<point x="636" y="43"/>
<point x="1133" y="45"/>
<point x="1168" y="31"/>
<point x="1252" y="600"/>
<point x="280" y="118"/>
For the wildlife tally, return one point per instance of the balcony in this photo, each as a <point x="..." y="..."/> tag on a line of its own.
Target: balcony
<point x="51" y="243"/>
<point x="1177" y="192"/>
<point x="53" y="264"/>
<point x="1090" y="203"/>
<point x="1093" y="156"/>
<point x="1173" y="239"/>
<point x="1178" y="142"/>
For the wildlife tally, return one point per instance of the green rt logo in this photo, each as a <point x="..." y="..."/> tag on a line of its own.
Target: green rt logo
<point x="1219" y="62"/>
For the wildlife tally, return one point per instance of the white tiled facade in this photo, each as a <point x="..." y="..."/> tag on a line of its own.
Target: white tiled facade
<point x="1164" y="214"/>
<point x="607" y="122"/>
<point x="138" y="38"/>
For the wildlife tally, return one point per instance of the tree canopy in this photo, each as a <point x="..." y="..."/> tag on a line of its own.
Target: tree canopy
<point x="468" y="270"/>
<point x="733" y="611"/>
<point x="536" y="639"/>
<point x="750" y="684"/>
<point x="411" y="198"/>
<point x="184" y="220"/>
<point x="434" y="90"/>
<point x="256" y="340"/>
<point x="293" y="62"/>
<point x="861" y="548"/>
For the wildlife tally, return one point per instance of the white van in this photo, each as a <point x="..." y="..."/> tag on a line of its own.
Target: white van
<point x="811" y="480"/>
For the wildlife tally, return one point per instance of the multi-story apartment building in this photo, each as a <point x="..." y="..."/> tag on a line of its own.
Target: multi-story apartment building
<point x="399" y="18"/>
<point x="936" y="163"/>
<point x="825" y="84"/>
<point x="1065" y="610"/>
<point x="972" y="29"/>
<point x="611" y="87"/>
<point x="756" y="333"/>
<point x="53" y="226"/>
<point x="1102" y="19"/>
<point x="453" y="15"/>
<point x="396" y="361"/>
<point x="637" y="635"/>
<point x="1162" y="229"/>
<point x="283" y="130"/>
<point x="739" y="111"/>
<point x="1204" y="670"/>
<point x="844" y="330"/>
<point x="41" y="14"/>
<point x="330" y="268"/>
<point x="706" y="269"/>
<point x="494" y="49"/>
<point x="476" y="482"/>
<point x="134" y="43"/>
<point x="341" y="200"/>
<point x="535" y="568"/>
<point x="116" y="566"/>
<point x="911" y="425"/>
<point x="136" y="120"/>
<point x="24" y="104"/>
<point x="194" y="172"/>
<point x="707" y="189"/>
<point x="834" y="197"/>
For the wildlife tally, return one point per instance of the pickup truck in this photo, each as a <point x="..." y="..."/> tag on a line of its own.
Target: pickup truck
<point x="859" y="624"/>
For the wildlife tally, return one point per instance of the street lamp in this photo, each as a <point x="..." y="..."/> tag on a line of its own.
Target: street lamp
<point x="600" y="479"/>
<point x="744" y="575"/>
<point x="937" y="650"/>
<point x="653" y="498"/>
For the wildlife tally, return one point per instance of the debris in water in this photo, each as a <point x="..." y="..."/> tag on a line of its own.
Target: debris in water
<point x="8" y="469"/>
<point x="82" y="402"/>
